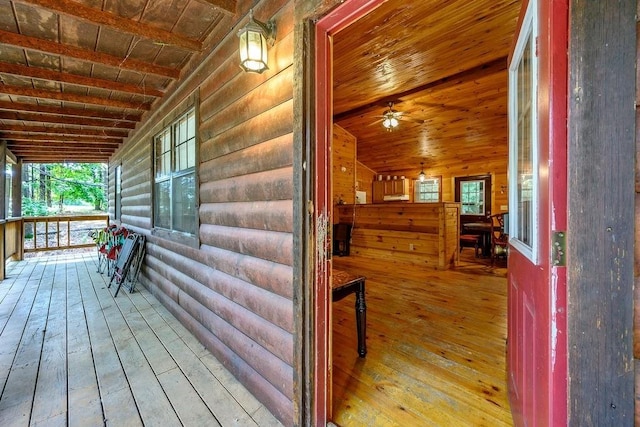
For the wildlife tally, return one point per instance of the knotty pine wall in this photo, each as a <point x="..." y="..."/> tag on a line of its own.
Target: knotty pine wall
<point x="234" y="291"/>
<point x="343" y="149"/>
<point x="494" y="164"/>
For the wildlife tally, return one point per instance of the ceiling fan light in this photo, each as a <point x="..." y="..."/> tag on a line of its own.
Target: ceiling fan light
<point x="389" y="120"/>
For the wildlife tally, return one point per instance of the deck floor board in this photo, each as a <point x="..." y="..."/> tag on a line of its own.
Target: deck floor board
<point x="72" y="355"/>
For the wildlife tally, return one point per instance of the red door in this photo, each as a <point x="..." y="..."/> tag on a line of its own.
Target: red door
<point x="537" y="341"/>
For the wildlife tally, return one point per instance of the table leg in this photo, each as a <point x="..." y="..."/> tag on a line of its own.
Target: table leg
<point x="361" y="320"/>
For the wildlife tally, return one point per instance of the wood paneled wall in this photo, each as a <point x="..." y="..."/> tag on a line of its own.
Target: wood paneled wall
<point x="494" y="163"/>
<point x="235" y="290"/>
<point x="344" y="166"/>
<point x="424" y="234"/>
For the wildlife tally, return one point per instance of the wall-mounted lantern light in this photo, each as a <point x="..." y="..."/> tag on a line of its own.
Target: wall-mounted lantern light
<point x="255" y="37"/>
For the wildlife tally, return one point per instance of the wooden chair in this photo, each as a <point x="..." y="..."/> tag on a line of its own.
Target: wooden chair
<point x="341" y="239"/>
<point x="471" y="240"/>
<point x="499" y="236"/>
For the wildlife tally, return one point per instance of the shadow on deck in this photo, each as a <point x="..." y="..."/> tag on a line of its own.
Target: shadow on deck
<point x="71" y="354"/>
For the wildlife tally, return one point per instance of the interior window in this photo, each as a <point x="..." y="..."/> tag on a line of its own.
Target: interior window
<point x="472" y="197"/>
<point x="427" y="191"/>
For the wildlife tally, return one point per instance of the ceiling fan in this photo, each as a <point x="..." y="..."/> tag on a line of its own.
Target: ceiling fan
<point x="391" y="118"/>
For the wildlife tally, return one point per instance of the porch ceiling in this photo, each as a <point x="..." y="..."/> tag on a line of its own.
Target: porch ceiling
<point x="76" y="76"/>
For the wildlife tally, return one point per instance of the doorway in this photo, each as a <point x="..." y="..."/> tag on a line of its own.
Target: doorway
<point x="326" y="31"/>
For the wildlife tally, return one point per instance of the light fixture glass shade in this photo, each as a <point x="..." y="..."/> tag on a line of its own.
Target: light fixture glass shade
<point x="422" y="175"/>
<point x="254" y="40"/>
<point x="389" y="120"/>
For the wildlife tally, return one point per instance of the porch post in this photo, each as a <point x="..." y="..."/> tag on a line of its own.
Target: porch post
<point x="16" y="189"/>
<point x="3" y="180"/>
<point x="600" y="235"/>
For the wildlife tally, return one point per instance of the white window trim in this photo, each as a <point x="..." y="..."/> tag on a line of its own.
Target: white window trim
<point x="416" y="186"/>
<point x="529" y="26"/>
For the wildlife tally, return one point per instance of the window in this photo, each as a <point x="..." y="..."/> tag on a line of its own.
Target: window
<point x="427" y="191"/>
<point x="175" y="175"/>
<point x="472" y="198"/>
<point x="474" y="195"/>
<point x="117" y="193"/>
<point x="523" y="143"/>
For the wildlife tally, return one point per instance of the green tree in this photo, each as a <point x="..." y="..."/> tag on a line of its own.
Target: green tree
<point x="78" y="182"/>
<point x="63" y="183"/>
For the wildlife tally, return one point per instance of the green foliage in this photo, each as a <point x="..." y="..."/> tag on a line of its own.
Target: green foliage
<point x="32" y="207"/>
<point x="67" y="184"/>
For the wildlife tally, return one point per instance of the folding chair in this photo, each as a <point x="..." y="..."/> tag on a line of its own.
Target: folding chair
<point x="123" y="262"/>
<point x="138" y="257"/>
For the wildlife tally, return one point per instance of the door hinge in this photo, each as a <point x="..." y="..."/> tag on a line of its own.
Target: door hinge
<point x="558" y="249"/>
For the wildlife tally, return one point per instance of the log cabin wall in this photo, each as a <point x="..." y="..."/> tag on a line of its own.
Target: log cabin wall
<point x="234" y="289"/>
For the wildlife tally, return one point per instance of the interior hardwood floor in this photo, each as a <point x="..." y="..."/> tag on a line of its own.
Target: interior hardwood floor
<point x="72" y="355"/>
<point x="436" y="345"/>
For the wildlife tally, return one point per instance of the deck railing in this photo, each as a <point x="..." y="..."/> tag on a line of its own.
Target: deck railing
<point x="50" y="233"/>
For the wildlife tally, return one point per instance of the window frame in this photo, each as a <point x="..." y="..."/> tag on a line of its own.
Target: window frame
<point x="416" y="192"/>
<point x="527" y="38"/>
<point x="488" y="197"/>
<point x="117" y="193"/>
<point x="170" y="123"/>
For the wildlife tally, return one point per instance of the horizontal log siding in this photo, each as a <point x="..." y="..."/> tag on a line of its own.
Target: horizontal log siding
<point x="235" y="290"/>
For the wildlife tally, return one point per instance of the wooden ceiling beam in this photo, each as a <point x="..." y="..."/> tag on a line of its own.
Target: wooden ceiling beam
<point x="71" y="146"/>
<point x="56" y="149"/>
<point x="79" y="121"/>
<point x="72" y="97"/>
<point x="35" y="138"/>
<point x="13" y="128"/>
<point x="57" y="76"/>
<point x="64" y="158"/>
<point x="68" y="111"/>
<point x="117" y="22"/>
<point x="55" y="48"/>
<point x="69" y="159"/>
<point x="477" y="72"/>
<point x="227" y="6"/>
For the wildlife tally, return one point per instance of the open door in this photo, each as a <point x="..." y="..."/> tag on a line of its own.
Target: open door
<point x="537" y="323"/>
<point x="325" y="28"/>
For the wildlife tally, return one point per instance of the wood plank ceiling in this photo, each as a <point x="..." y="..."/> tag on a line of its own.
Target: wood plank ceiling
<point x="444" y="66"/>
<point x="77" y="75"/>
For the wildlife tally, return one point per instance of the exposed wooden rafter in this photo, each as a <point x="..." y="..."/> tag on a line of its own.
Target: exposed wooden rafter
<point x="68" y="111"/>
<point x="77" y="76"/>
<point x="50" y="47"/>
<point x="26" y="137"/>
<point x="99" y="17"/>
<point x="68" y="120"/>
<point x="14" y="128"/>
<point x="72" y="97"/>
<point x="56" y="76"/>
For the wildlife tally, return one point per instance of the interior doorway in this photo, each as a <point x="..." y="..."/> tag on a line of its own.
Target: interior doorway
<point x="326" y="30"/>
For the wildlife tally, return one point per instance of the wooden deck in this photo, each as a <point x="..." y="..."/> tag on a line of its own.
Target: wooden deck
<point x="72" y="355"/>
<point x="436" y="345"/>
